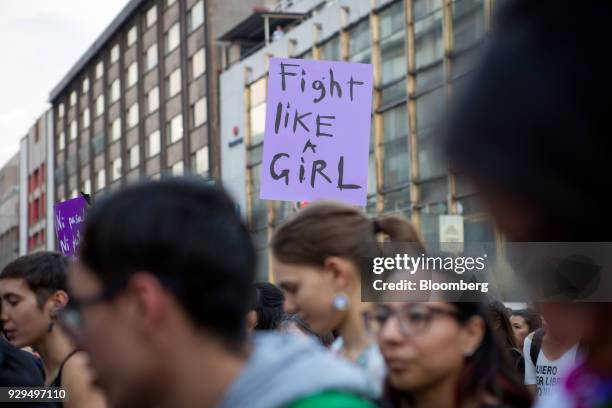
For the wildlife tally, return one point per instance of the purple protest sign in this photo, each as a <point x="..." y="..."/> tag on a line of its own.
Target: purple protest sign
<point x="316" y="143"/>
<point x="69" y="215"/>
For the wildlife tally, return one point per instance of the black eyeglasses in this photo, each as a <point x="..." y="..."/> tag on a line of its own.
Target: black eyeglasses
<point x="71" y="317"/>
<point x="414" y="320"/>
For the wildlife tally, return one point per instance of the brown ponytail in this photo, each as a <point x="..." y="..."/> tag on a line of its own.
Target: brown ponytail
<point x="325" y="229"/>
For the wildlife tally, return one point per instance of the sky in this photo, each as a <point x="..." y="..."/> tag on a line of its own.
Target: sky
<point x="40" y="40"/>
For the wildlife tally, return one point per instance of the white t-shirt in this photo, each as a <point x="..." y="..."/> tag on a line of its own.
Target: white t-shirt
<point x="547" y="374"/>
<point x="371" y="360"/>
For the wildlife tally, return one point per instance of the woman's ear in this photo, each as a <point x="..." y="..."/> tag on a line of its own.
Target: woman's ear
<point x="473" y="333"/>
<point x="342" y="271"/>
<point x="251" y="320"/>
<point x="58" y="301"/>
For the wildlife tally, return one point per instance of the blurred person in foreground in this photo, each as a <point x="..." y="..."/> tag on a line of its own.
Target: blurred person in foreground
<point x="163" y="286"/>
<point x="524" y="321"/>
<point x="498" y="315"/>
<point x="33" y="292"/>
<point x="442" y="354"/>
<point x="532" y="131"/>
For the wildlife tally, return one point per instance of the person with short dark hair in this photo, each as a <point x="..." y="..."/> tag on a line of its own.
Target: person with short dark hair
<point x="163" y="286"/>
<point x="33" y="291"/>
<point x="498" y="314"/>
<point x="266" y="307"/>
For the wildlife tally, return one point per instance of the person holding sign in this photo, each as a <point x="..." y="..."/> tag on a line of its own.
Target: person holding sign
<point x="316" y="260"/>
<point x="33" y="292"/>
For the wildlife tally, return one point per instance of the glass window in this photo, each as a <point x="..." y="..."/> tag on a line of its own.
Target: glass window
<point x="392" y="45"/>
<point x="431" y="158"/>
<point x="116" y="129"/>
<point x="86" y="186"/>
<point x="131" y="36"/>
<point x="151" y="16"/>
<point x="73" y="96"/>
<point x="116" y="168"/>
<point x="198" y="63"/>
<point x="392" y="20"/>
<point x="360" y="42"/>
<point x="422" y="8"/>
<point x="330" y="50"/>
<point x="61" y="141"/>
<point x="85" y="121"/>
<point x="258" y="123"/>
<point x="195" y="16"/>
<point x="173" y="83"/>
<point x="114" y="54"/>
<point x="100" y="179"/>
<point x="60" y="110"/>
<point x="428" y="40"/>
<point x="430" y="109"/>
<point x="99" y="69"/>
<point x="133" y="157"/>
<point x="468" y="23"/>
<point x="198" y="112"/>
<point x="153" y="144"/>
<point x="151" y="57"/>
<point x="132" y="74"/>
<point x="115" y="90"/>
<point x="199" y="161"/>
<point x="173" y="37"/>
<point x="396" y="164"/>
<point x="170" y="2"/>
<point x="152" y="98"/>
<point x="100" y="105"/>
<point x="85" y="85"/>
<point x="174" y="129"/>
<point x="398" y="201"/>
<point x="177" y="169"/>
<point x="132" y="115"/>
<point x="73" y="130"/>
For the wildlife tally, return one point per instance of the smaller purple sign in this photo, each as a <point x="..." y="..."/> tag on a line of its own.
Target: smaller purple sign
<point x="69" y="215"/>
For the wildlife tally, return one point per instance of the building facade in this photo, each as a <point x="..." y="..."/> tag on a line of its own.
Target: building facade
<point x="36" y="228"/>
<point x="421" y="51"/>
<point x="141" y="102"/>
<point x="9" y="211"/>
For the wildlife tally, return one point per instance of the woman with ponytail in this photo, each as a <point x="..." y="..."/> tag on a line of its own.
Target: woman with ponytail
<point x="318" y="259"/>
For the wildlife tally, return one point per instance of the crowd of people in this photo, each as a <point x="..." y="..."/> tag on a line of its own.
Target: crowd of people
<point x="161" y="308"/>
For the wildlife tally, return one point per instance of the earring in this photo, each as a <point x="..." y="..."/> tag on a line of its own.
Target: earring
<point x="468" y="353"/>
<point x="50" y="326"/>
<point x="340" y="302"/>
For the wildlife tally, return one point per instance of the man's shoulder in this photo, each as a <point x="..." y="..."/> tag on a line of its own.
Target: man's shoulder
<point x="332" y="399"/>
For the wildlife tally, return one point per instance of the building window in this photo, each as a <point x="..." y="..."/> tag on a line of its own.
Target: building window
<point x="114" y="54"/>
<point x="199" y="161"/>
<point x="99" y="69"/>
<point x="198" y="63"/>
<point x="152" y="100"/>
<point x="131" y="36"/>
<point x="151" y="57"/>
<point x="85" y="86"/>
<point x="73" y="98"/>
<point x="73" y="130"/>
<point x="61" y="141"/>
<point x="170" y="2"/>
<point x="360" y="43"/>
<point x="198" y="112"/>
<point x="153" y="144"/>
<point x="85" y="121"/>
<point x="177" y="169"/>
<point x="60" y="110"/>
<point x="86" y="186"/>
<point x="257" y="111"/>
<point x="116" y="169"/>
<point x="173" y="83"/>
<point x="133" y="157"/>
<point x="100" y="179"/>
<point x="428" y="39"/>
<point x="115" y="90"/>
<point x="173" y="37"/>
<point x="151" y="16"/>
<point x="195" y="16"/>
<point x="116" y="129"/>
<point x="132" y="74"/>
<point x="393" y="53"/>
<point x="174" y="129"/>
<point x="331" y="49"/>
<point x="395" y="147"/>
<point x="100" y="105"/>
<point x="132" y="116"/>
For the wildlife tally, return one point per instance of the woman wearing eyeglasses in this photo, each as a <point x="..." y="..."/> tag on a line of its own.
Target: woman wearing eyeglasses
<point x="32" y="294"/>
<point x="442" y="354"/>
<point x="318" y="260"/>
